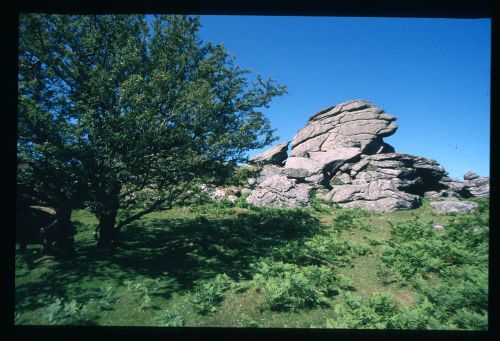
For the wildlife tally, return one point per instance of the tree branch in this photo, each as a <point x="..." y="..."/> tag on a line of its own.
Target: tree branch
<point x="138" y="215"/>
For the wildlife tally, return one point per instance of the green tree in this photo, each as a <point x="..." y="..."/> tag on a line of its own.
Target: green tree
<point x="145" y="111"/>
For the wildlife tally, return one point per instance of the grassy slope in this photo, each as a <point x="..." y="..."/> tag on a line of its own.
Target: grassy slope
<point x="161" y="247"/>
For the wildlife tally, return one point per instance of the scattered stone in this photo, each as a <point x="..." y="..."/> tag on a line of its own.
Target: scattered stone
<point x="220" y="193"/>
<point x="453" y="206"/>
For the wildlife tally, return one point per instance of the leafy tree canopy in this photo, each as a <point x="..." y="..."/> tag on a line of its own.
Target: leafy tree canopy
<point x="112" y="109"/>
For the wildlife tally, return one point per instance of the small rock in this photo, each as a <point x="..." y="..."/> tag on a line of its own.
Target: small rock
<point x="232" y="198"/>
<point x="438" y="227"/>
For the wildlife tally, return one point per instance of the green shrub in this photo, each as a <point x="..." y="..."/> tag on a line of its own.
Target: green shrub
<point x="170" y="319"/>
<point x="466" y="319"/>
<point x="351" y="218"/>
<point x="62" y="311"/>
<point x="464" y="287"/>
<point x="288" y="287"/>
<point x="321" y="205"/>
<point x="458" y="258"/>
<point x="240" y="175"/>
<point x="241" y="202"/>
<point x="143" y="290"/>
<point x="208" y="295"/>
<point x="320" y="250"/>
<point x="286" y="222"/>
<point x="380" y="312"/>
<point x="372" y="242"/>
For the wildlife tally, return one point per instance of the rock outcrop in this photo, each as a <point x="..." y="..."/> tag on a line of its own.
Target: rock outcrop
<point x="350" y="124"/>
<point x="477" y="186"/>
<point x="275" y="156"/>
<point x="384" y="182"/>
<point x="341" y="154"/>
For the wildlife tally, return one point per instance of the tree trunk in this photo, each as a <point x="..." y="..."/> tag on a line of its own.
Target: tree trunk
<point x="107" y="220"/>
<point x="66" y="232"/>
<point x="107" y="217"/>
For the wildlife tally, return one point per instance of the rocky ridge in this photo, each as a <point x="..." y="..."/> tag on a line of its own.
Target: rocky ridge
<point x="341" y="155"/>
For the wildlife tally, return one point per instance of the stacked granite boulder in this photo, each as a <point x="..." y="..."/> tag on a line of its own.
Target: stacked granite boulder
<point x="340" y="154"/>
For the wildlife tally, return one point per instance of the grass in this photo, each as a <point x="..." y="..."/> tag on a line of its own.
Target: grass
<point x="154" y="274"/>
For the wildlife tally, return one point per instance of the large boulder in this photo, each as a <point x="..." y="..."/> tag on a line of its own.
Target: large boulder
<point x="275" y="156"/>
<point x="356" y="123"/>
<point x="470" y="175"/>
<point x="334" y="158"/>
<point x="453" y="206"/>
<point x="279" y="191"/>
<point x="305" y="169"/>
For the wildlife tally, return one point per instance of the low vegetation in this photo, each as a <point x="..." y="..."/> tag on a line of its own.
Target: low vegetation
<point x="230" y="265"/>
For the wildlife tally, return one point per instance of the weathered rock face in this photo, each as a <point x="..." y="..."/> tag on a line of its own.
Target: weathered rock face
<point x="374" y="195"/>
<point x="275" y="156"/>
<point x="279" y="191"/>
<point x="441" y="195"/>
<point x="385" y="182"/>
<point x="455" y="185"/>
<point x="350" y="124"/>
<point x="341" y="154"/>
<point x="477" y="186"/>
<point x="472" y="186"/>
<point x="305" y="169"/>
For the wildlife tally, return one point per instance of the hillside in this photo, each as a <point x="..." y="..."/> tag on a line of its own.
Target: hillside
<point x="233" y="265"/>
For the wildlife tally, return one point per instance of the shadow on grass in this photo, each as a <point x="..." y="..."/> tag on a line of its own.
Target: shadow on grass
<point x="183" y="251"/>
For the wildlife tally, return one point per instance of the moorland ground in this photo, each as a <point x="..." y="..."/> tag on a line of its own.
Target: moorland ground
<point x="234" y="265"/>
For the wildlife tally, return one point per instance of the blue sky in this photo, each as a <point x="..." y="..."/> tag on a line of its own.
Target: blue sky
<point x="432" y="74"/>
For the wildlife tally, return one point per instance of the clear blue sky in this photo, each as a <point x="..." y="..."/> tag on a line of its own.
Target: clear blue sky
<point x="433" y="74"/>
